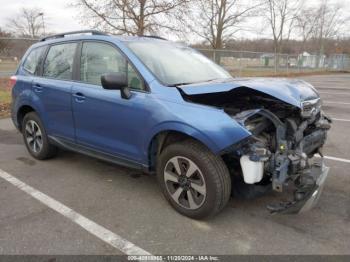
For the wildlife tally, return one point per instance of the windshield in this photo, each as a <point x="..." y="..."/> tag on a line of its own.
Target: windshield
<point x="175" y="64"/>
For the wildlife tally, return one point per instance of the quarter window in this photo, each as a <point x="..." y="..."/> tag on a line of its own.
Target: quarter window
<point x="134" y="80"/>
<point x="59" y="61"/>
<point x="32" y="61"/>
<point x="98" y="59"/>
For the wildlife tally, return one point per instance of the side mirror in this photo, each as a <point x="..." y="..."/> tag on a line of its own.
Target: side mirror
<point x="116" y="81"/>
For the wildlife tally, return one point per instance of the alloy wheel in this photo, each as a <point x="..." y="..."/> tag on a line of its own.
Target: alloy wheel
<point x="185" y="182"/>
<point x="33" y="136"/>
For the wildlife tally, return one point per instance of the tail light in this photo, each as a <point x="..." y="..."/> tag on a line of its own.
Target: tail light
<point x="12" y="82"/>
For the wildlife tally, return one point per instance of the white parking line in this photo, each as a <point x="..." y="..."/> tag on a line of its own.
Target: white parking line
<point x="335" y="159"/>
<point x="336" y="102"/>
<point x="102" y="233"/>
<point x="340" y="119"/>
<point x="333" y="93"/>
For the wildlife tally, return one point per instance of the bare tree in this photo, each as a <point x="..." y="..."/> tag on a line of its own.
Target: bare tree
<point x="281" y="16"/>
<point x="217" y="21"/>
<point x="306" y="24"/>
<point x="329" y="22"/>
<point x="4" y="41"/>
<point x="29" y="23"/>
<point x="132" y="17"/>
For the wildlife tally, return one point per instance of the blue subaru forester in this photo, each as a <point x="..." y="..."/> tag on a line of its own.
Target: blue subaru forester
<point x="164" y="108"/>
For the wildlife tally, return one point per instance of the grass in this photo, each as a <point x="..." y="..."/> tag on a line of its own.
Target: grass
<point x="269" y="72"/>
<point x="5" y="97"/>
<point x="8" y="66"/>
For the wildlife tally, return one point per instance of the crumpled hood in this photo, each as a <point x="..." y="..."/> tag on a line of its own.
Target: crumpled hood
<point x="292" y="91"/>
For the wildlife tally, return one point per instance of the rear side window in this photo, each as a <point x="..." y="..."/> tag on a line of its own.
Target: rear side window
<point x="59" y="61"/>
<point x="33" y="60"/>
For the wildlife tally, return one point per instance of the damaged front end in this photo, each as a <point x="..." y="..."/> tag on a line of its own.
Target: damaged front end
<point x="284" y="139"/>
<point x="285" y="149"/>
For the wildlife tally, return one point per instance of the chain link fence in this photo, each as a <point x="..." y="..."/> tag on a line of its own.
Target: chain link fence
<point x="243" y="63"/>
<point x="11" y="52"/>
<point x="238" y="63"/>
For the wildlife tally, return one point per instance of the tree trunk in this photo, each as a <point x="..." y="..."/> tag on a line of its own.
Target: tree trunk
<point x="218" y="45"/>
<point x="141" y="23"/>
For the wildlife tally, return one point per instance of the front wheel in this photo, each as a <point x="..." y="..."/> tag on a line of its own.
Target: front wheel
<point x="194" y="180"/>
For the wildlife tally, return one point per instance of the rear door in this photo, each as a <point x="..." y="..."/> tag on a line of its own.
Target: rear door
<point x="54" y="90"/>
<point x="30" y="70"/>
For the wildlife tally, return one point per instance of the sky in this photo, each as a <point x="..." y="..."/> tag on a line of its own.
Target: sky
<point x="61" y="17"/>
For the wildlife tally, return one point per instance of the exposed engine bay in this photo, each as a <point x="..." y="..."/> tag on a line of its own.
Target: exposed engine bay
<point x="284" y="139"/>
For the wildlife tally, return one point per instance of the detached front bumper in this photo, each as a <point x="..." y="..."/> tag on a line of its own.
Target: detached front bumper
<point x="307" y="197"/>
<point x="312" y="200"/>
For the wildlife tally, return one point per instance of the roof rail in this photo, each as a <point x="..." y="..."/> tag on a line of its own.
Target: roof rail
<point x="154" y="36"/>
<point x="93" y="32"/>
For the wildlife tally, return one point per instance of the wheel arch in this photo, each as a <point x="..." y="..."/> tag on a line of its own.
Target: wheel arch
<point x="179" y="132"/>
<point x="21" y="112"/>
<point x="24" y="105"/>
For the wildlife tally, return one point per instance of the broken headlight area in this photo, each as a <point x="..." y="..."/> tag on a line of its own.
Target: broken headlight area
<point x="281" y="150"/>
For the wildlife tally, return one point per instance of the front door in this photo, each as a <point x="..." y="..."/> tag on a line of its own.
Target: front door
<point x="104" y="120"/>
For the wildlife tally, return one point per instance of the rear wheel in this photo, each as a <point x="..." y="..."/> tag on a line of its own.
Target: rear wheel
<point x="35" y="137"/>
<point x="194" y="180"/>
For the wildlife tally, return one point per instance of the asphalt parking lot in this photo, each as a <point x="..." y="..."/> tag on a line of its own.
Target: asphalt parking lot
<point x="131" y="206"/>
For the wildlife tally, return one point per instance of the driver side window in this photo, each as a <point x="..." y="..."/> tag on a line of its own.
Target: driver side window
<point x="98" y="59"/>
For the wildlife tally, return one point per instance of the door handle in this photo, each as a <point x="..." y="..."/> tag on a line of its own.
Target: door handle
<point x="38" y="88"/>
<point x="79" y="97"/>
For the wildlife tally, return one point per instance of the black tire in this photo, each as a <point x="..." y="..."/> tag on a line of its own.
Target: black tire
<point x="212" y="169"/>
<point x="46" y="150"/>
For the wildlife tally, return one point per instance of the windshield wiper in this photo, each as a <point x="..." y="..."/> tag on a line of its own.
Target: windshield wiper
<point x="224" y="80"/>
<point x="181" y="84"/>
<point x="191" y="83"/>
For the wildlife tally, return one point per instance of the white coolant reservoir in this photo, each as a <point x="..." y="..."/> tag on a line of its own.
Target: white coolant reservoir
<point x="252" y="171"/>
